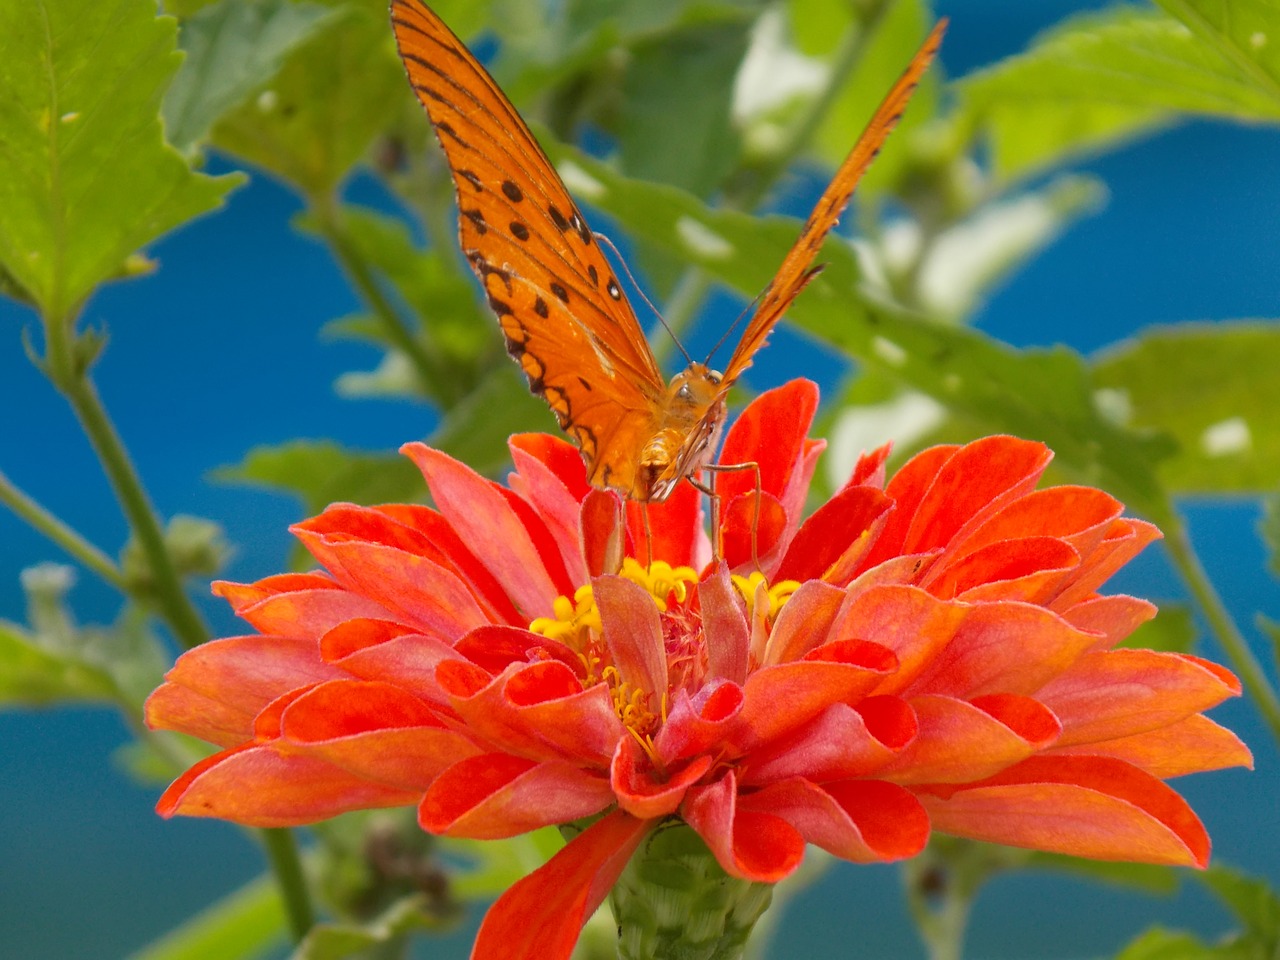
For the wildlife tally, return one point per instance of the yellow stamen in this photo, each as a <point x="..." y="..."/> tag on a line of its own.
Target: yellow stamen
<point x="778" y="594"/>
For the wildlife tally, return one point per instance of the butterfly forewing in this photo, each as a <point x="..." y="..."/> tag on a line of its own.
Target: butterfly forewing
<point x="517" y="220"/>
<point x="796" y="270"/>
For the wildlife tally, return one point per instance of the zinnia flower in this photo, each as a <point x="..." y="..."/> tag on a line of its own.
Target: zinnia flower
<point x="926" y="653"/>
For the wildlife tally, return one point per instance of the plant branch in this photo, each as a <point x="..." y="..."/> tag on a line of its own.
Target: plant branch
<point x="282" y="852"/>
<point x="1252" y="675"/>
<point x="64" y="536"/>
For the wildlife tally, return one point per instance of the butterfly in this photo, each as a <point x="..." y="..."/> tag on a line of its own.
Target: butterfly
<point x="562" y="312"/>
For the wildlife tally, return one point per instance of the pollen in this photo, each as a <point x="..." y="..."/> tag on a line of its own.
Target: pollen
<point x="778" y="594"/>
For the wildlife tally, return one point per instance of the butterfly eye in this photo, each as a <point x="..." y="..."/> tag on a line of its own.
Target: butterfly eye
<point x="684" y="393"/>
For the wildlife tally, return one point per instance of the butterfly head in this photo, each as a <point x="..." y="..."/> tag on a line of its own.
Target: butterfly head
<point x="692" y="415"/>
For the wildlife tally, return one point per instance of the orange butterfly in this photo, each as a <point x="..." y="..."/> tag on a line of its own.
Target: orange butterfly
<point x="564" y="316"/>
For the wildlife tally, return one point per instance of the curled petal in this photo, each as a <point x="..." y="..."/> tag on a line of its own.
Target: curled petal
<point x="832" y="543"/>
<point x="540" y="917"/>
<point x="496" y="795"/>
<point x="603" y="532"/>
<point x="1113" y="618"/>
<point x="804" y="623"/>
<point x="639" y="788"/>
<point x="906" y="620"/>
<point x="262" y="785"/>
<point x="1029" y="569"/>
<point x="751" y="530"/>
<point x="633" y="632"/>
<point x="866" y="821"/>
<point x="756" y="846"/>
<point x="1092" y="807"/>
<point x="409" y="661"/>
<point x="724" y="625"/>
<point x="960" y="741"/>
<point x="558" y="503"/>
<point x="839" y="743"/>
<point x="703" y="724"/>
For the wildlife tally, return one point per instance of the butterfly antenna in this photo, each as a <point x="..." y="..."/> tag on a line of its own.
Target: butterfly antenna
<point x="638" y="289"/>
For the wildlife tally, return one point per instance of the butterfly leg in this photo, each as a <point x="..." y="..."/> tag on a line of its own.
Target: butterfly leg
<point x="715" y="505"/>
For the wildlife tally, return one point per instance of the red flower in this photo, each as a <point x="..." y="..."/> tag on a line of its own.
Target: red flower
<point x="927" y="653"/>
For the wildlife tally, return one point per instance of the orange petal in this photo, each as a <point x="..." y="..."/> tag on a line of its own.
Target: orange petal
<point x="724" y="626"/>
<point x="603" y="532"/>
<point x="840" y="743"/>
<point x="261" y="786"/>
<point x="489" y="527"/>
<point x="1193" y="745"/>
<point x="1114" y="617"/>
<point x="770" y="431"/>
<point x="639" y="788"/>
<point x="1116" y="693"/>
<point x="408" y="661"/>
<point x="633" y="633"/>
<point x="295" y="605"/>
<point x="540" y="917"/>
<point x="675" y="525"/>
<point x="1078" y="515"/>
<point x="1092" y="807"/>
<point x="559" y="456"/>
<point x="1027" y="569"/>
<point x="739" y="518"/>
<point x="216" y="689"/>
<point x="866" y="821"/>
<point x="755" y="846"/>
<point x="832" y="543"/>
<point x="496" y="795"/>
<point x="907" y="620"/>
<point x="705" y="723"/>
<point x="960" y="742"/>
<point x="557" y="505"/>
<point x="804" y="623"/>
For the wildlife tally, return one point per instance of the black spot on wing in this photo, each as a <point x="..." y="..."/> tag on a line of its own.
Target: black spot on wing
<point x="512" y="192"/>
<point x="561" y="293"/>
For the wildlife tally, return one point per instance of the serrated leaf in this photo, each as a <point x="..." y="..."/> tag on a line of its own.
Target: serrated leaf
<point x="1213" y="386"/>
<point x="31" y="675"/>
<point x="232" y="50"/>
<point x="1099" y="79"/>
<point x="241" y="926"/>
<point x="325" y="107"/>
<point x="1039" y="394"/>
<point x="321" y="472"/>
<point x="476" y="429"/>
<point x="85" y="175"/>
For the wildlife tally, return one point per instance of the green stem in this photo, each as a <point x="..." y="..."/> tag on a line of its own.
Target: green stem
<point x="68" y="539"/>
<point x="359" y="273"/>
<point x="73" y="381"/>
<point x="1252" y="675"/>
<point x="282" y="852"/>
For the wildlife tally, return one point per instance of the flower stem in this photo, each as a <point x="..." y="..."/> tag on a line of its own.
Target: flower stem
<point x="282" y="852"/>
<point x="1252" y="675"/>
<point x="64" y="536"/>
<point x="393" y="326"/>
<point x="71" y="378"/>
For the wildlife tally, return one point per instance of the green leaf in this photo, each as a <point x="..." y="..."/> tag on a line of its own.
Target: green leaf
<point x="1161" y="944"/>
<point x="656" y="101"/>
<point x="1251" y="899"/>
<point x="85" y="175"/>
<point x="32" y="675"/>
<point x="336" y="941"/>
<point x="476" y="429"/>
<point x="497" y="864"/>
<point x="242" y="925"/>
<point x="320" y="472"/>
<point x="1212" y="386"/>
<point x="1173" y="630"/>
<point x="233" y="49"/>
<point x="1243" y="31"/>
<point x="1102" y="78"/>
<point x="1039" y="394"/>
<point x="328" y="103"/>
<point x="1269" y="527"/>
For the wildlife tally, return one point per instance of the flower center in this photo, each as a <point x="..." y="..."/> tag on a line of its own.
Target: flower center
<point x="576" y="623"/>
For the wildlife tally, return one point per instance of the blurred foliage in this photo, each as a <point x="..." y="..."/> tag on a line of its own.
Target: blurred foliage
<point x="110" y="109"/>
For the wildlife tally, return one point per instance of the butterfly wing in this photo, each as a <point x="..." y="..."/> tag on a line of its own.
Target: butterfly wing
<point x="561" y="309"/>
<point x="796" y="270"/>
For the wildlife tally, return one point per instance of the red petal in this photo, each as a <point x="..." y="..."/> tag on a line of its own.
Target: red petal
<point x="675" y="525"/>
<point x="770" y="431"/>
<point x="633" y="633"/>
<point x="540" y="917"/>
<point x="282" y="606"/>
<point x="497" y="795"/>
<point x="906" y="620"/>
<point x="739" y="517"/>
<point x="641" y="791"/>
<point x="1113" y="617"/>
<point x="703" y="724"/>
<point x="804" y="623"/>
<point x="1091" y="807"/>
<point x="479" y="511"/>
<point x="557" y="455"/>
<point x="832" y="543"/>
<point x="866" y="821"/>
<point x="260" y="786"/>
<point x="1030" y="569"/>
<point x="840" y="743"/>
<point x="557" y="504"/>
<point x="215" y="690"/>
<point x="755" y="846"/>
<point x="724" y="627"/>
<point x="603" y="532"/>
<point x="408" y="661"/>
<point x="963" y="742"/>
